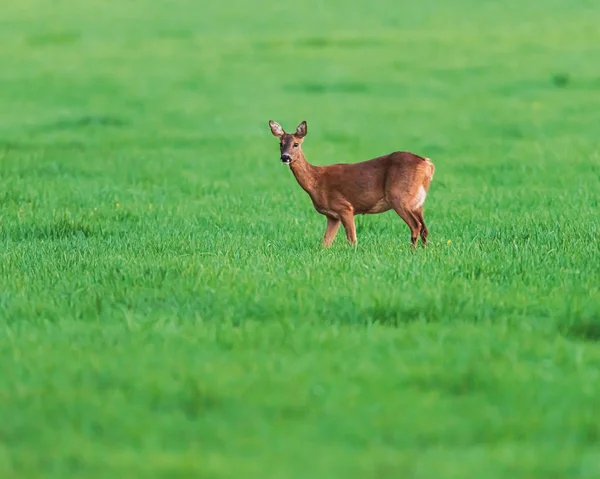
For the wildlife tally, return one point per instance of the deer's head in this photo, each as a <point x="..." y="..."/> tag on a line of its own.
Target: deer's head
<point x="290" y="145"/>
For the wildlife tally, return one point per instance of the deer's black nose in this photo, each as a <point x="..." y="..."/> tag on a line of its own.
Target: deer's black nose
<point x="286" y="158"/>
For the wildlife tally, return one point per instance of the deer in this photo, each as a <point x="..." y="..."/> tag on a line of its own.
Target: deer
<point x="399" y="180"/>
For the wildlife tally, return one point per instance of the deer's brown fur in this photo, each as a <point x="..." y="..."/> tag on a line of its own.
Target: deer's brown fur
<point x="398" y="181"/>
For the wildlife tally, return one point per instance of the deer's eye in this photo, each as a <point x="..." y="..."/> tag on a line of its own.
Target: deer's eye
<point x="295" y="145"/>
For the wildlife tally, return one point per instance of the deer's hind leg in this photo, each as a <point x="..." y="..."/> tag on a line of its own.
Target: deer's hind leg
<point x="424" y="231"/>
<point x="409" y="218"/>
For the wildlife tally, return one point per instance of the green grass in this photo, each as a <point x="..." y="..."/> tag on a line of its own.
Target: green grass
<point x="166" y="309"/>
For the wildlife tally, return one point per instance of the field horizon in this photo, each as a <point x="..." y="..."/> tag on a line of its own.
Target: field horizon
<point x="166" y="306"/>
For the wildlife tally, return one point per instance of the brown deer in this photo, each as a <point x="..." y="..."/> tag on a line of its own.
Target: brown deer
<point x="397" y="181"/>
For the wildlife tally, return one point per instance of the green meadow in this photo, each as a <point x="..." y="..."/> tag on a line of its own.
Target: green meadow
<point x="166" y="307"/>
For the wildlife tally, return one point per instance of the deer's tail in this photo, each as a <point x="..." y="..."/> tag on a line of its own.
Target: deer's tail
<point x="429" y="172"/>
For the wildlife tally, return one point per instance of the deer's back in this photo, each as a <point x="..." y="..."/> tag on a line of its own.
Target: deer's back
<point x="400" y="166"/>
<point x="406" y="169"/>
<point x="367" y="185"/>
<point x="360" y="184"/>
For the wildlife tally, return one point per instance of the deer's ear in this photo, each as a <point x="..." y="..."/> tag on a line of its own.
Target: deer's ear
<point x="276" y="129"/>
<point x="301" y="130"/>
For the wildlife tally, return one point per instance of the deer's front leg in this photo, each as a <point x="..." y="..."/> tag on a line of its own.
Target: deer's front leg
<point x="333" y="225"/>
<point x="348" y="222"/>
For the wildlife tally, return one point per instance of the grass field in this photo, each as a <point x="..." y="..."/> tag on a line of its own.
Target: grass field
<point x="166" y="308"/>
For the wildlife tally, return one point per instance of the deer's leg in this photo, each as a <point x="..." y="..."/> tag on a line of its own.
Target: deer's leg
<point x="333" y="225"/>
<point x="411" y="220"/>
<point x="348" y="222"/>
<point x="424" y="231"/>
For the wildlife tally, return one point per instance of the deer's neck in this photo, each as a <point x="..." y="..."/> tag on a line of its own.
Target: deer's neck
<point x="305" y="173"/>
